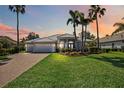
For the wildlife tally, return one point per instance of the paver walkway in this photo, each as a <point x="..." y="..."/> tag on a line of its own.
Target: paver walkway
<point x="17" y="65"/>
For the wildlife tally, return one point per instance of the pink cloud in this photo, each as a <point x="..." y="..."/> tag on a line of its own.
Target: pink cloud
<point x="4" y="27"/>
<point x="103" y="28"/>
<point x="6" y="30"/>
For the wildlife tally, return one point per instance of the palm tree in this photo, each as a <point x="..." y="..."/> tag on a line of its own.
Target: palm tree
<point x="96" y="12"/>
<point x="86" y="23"/>
<point x="74" y="21"/>
<point x="81" y="21"/>
<point x="17" y="9"/>
<point x="119" y="29"/>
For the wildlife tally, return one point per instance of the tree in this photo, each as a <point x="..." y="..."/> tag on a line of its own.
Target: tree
<point x="1" y="45"/>
<point x="6" y="43"/>
<point x="96" y="12"/>
<point x="92" y="37"/>
<point x="74" y="21"/>
<point x="84" y="22"/>
<point x="22" y="41"/>
<point x="17" y="9"/>
<point x="81" y="21"/>
<point x="119" y="29"/>
<point x="32" y="35"/>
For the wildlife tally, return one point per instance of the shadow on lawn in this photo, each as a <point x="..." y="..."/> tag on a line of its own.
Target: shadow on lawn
<point x="116" y="61"/>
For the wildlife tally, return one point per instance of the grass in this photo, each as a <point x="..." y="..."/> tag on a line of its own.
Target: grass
<point x="97" y="70"/>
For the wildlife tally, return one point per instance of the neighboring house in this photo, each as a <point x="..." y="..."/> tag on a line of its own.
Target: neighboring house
<point x="113" y="41"/>
<point x="51" y="43"/>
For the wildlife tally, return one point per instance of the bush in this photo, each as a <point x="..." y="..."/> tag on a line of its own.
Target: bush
<point x="122" y="48"/>
<point x="16" y="49"/>
<point x="66" y="50"/>
<point x="21" y="48"/>
<point x="85" y="49"/>
<point x="106" y="50"/>
<point x="114" y="49"/>
<point x="94" y="50"/>
<point x="3" y="52"/>
<point x="57" y="49"/>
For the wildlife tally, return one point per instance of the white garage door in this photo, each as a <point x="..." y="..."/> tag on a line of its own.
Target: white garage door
<point x="37" y="48"/>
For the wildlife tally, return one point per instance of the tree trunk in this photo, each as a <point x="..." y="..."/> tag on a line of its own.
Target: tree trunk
<point x="85" y="36"/>
<point x="75" y="33"/>
<point x="18" y="31"/>
<point x="82" y="36"/>
<point x="97" y="33"/>
<point x="75" y="36"/>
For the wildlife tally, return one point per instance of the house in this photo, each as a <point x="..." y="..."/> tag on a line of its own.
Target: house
<point x="113" y="41"/>
<point x="53" y="42"/>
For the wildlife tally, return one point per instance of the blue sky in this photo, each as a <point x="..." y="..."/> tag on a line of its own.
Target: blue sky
<point x="48" y="20"/>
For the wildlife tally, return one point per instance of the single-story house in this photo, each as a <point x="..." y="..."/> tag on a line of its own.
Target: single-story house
<point x="113" y="41"/>
<point x="53" y="42"/>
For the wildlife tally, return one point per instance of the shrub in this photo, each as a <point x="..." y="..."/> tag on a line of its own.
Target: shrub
<point x="66" y="50"/>
<point x="21" y="48"/>
<point x="57" y="49"/>
<point x="114" y="49"/>
<point x="16" y="49"/>
<point x="3" y="52"/>
<point x="85" y="49"/>
<point x="6" y="51"/>
<point x="106" y="50"/>
<point x="122" y="48"/>
<point x="93" y="50"/>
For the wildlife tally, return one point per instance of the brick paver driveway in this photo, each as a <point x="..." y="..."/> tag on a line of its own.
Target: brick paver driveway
<point x="17" y="65"/>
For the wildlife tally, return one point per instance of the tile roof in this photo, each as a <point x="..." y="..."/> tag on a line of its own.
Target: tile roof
<point x="52" y="38"/>
<point x="116" y="37"/>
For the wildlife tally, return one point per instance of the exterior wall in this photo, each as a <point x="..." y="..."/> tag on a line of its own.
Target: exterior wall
<point x="115" y="44"/>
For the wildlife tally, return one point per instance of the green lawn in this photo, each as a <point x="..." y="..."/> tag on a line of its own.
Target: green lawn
<point x="97" y="70"/>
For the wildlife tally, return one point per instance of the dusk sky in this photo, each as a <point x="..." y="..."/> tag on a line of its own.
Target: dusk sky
<point x="49" y="20"/>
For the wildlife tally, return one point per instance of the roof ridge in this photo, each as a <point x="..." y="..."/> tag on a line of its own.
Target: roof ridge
<point x="65" y="34"/>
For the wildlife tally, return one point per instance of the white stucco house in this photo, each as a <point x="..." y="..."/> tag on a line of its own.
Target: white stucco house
<point x="113" y="41"/>
<point x="51" y="43"/>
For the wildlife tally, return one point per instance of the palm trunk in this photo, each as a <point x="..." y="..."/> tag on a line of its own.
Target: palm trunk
<point x="75" y="36"/>
<point x="18" y="31"/>
<point x="82" y="49"/>
<point x="85" y="36"/>
<point x="97" y="33"/>
<point x="75" y="33"/>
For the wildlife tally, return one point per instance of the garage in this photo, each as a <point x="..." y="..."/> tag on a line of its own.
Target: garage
<point x="43" y="48"/>
<point x="42" y="45"/>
